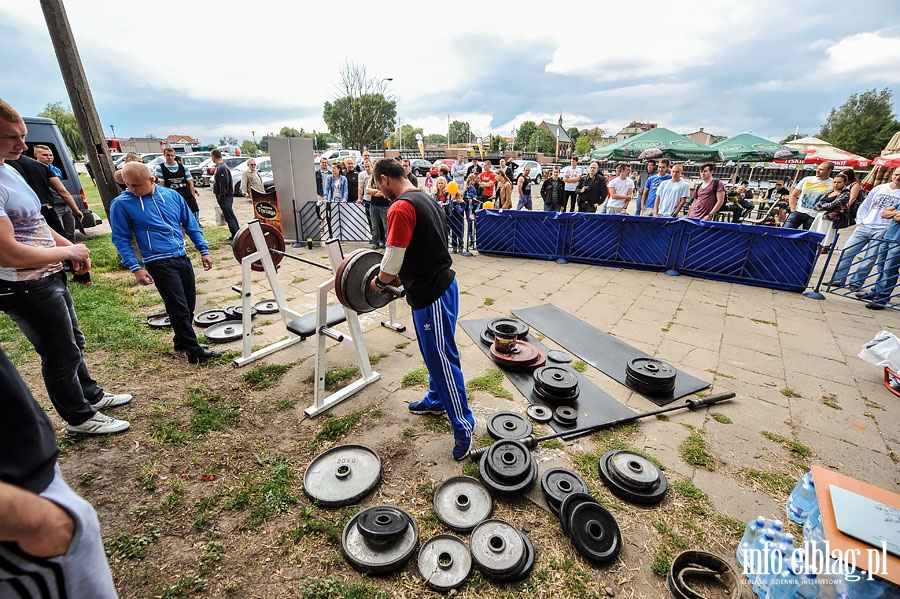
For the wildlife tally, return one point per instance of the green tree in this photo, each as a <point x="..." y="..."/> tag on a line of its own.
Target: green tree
<point x="864" y="124"/>
<point x="595" y="136"/>
<point x="228" y="141"/>
<point x="574" y="134"/>
<point x="497" y="143"/>
<point x="264" y="143"/>
<point x="460" y="132"/>
<point x="583" y="146"/>
<point x="524" y="135"/>
<point x="542" y="141"/>
<point x="68" y="126"/>
<point x="248" y="148"/>
<point x="288" y="132"/>
<point x="362" y="115"/>
<point x="436" y="139"/>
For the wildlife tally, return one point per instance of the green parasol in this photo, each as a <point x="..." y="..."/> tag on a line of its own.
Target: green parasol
<point x="669" y="143"/>
<point x="748" y="147"/>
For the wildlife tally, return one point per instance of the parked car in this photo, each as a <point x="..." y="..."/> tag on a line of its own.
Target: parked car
<point x="230" y="161"/>
<point x="419" y="167"/>
<point x="198" y="171"/>
<point x="519" y="167"/>
<point x="263" y="166"/>
<point x="445" y="161"/>
<point x="333" y="155"/>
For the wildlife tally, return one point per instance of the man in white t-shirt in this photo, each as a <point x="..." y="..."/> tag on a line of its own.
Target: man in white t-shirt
<point x="621" y="190"/>
<point x="571" y="176"/>
<point x="672" y="194"/>
<point x="804" y="197"/>
<point x="889" y="254"/>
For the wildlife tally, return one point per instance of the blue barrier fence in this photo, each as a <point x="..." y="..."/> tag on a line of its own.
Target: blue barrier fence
<point x="769" y="257"/>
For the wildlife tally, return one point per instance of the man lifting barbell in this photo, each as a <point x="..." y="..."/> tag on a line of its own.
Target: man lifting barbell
<point x="416" y="256"/>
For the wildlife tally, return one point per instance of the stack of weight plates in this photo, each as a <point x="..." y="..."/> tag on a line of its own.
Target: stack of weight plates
<point x="555" y="385"/>
<point x="557" y="484"/>
<point x="508" y="469"/>
<point x="501" y="551"/>
<point x="593" y="530"/>
<point x="632" y="477"/>
<point x="508" y="425"/>
<point x="380" y="539"/>
<point x="650" y="376"/>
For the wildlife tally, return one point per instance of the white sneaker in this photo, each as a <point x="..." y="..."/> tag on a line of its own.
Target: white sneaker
<point x="98" y="424"/>
<point x="110" y="400"/>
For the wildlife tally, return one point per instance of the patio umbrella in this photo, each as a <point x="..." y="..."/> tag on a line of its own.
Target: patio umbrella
<point x="747" y="147"/>
<point x="670" y="144"/>
<point x="819" y="151"/>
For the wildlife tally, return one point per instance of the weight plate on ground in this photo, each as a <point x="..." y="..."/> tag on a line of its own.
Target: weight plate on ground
<point x="462" y="503"/>
<point x="382" y="524"/>
<point x="239" y="311"/>
<point x="231" y="313"/>
<point x="225" y="332"/>
<point x="540" y="414"/>
<point x="342" y="475"/>
<point x="487" y="337"/>
<point x="268" y="306"/>
<point x="557" y="483"/>
<point x="501" y="489"/>
<point x="633" y="470"/>
<point x="568" y="504"/>
<point x="444" y="562"/>
<point x="159" y="321"/>
<point x="378" y="559"/>
<point x="509" y="425"/>
<point x="524" y="571"/>
<point x="497" y="548"/>
<point x="566" y="415"/>
<point x="523" y="353"/>
<point x="519" y="328"/>
<point x="557" y="381"/>
<point x="242" y="244"/>
<point x="649" y="388"/>
<point x="594" y="533"/>
<point x="210" y="317"/>
<point x="554" y="400"/>
<point x="507" y="462"/>
<point x="648" y="496"/>
<point x="558" y="356"/>
<point x="537" y="362"/>
<point x="649" y="375"/>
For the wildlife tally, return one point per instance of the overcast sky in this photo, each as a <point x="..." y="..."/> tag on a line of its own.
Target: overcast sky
<point x="209" y="69"/>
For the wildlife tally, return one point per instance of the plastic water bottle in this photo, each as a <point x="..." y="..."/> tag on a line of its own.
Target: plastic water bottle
<point x="773" y="569"/>
<point x="802" y="499"/>
<point x="756" y="563"/>
<point x="776" y="527"/>
<point x="813" y="521"/>
<point x="808" y="588"/>
<point x="752" y="534"/>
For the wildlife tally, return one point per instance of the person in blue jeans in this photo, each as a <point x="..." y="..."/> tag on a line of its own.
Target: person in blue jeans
<point x="416" y="257"/>
<point x="889" y="250"/>
<point x="223" y="188"/>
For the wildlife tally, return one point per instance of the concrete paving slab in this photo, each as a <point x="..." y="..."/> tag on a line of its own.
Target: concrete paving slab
<point x="734" y="499"/>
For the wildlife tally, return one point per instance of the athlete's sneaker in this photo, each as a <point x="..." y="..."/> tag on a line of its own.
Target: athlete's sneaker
<point x="420" y="408"/>
<point x="110" y="400"/>
<point x="461" y="448"/>
<point x="99" y="424"/>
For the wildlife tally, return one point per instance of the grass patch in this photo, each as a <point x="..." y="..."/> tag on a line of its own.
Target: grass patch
<point x="470" y="468"/>
<point x="284" y="404"/>
<point x="488" y="301"/>
<point x="795" y="447"/>
<point x="264" y="376"/>
<point x="376" y="358"/>
<point x="761" y="321"/>
<point x="694" y="452"/>
<point x="788" y="392"/>
<point x="267" y="491"/>
<point x="436" y="424"/>
<point x="579" y="365"/>
<point x="167" y="431"/>
<point x="174" y="498"/>
<point x="720" y="418"/>
<point x="297" y="280"/>
<point x="408" y="432"/>
<point x="125" y="546"/>
<point x="401" y="345"/>
<point x="772" y="482"/>
<point x="336" y="588"/>
<point x="492" y="383"/>
<point x="416" y="378"/>
<point x="185" y="586"/>
<point x="334" y="429"/>
<point x="210" y="414"/>
<point x="830" y="400"/>
<point x="336" y="377"/>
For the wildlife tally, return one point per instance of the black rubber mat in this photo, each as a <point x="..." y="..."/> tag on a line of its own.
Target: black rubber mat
<point x="595" y="406"/>
<point x="601" y="350"/>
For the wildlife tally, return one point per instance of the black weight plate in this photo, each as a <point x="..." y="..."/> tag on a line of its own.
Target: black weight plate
<point x="568" y="504"/>
<point x="231" y="313"/>
<point x="663" y="388"/>
<point x="566" y="415"/>
<point x="225" y="332"/>
<point x="210" y="317"/>
<point x="552" y="400"/>
<point x="639" y="496"/>
<point x="507" y="462"/>
<point x="267" y="306"/>
<point x="444" y="562"/>
<point x="499" y="489"/>
<point x="540" y="414"/>
<point x="239" y="311"/>
<point x="520" y="329"/>
<point x="378" y="299"/>
<point x="633" y="470"/>
<point x="354" y="276"/>
<point x="651" y="371"/>
<point x="378" y="559"/>
<point x="557" y="483"/>
<point x="487" y="337"/>
<point x="558" y="356"/>
<point x="509" y="425"/>
<point x="524" y="571"/>
<point x="159" y="321"/>
<point x="557" y="381"/>
<point x="594" y="533"/>
<point x="382" y="524"/>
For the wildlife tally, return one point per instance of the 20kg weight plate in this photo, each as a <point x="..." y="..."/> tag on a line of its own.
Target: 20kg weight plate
<point x="237" y="312"/>
<point x="378" y="559"/>
<point x="627" y="474"/>
<point x="382" y="524"/>
<point x="523" y="353"/>
<point x="267" y="306"/>
<point x="444" y="562"/>
<point x="210" y="317"/>
<point x="557" y="483"/>
<point x="519" y="328"/>
<point x="594" y="533"/>
<point x="540" y="414"/>
<point x="650" y="376"/>
<point x="566" y="415"/>
<point x="497" y="548"/>
<point x="342" y="475"/>
<point x="508" y="425"/>
<point x="242" y="245"/>
<point x="377" y="299"/>
<point x="225" y="332"/>
<point x="462" y="503"/>
<point x="159" y="321"/>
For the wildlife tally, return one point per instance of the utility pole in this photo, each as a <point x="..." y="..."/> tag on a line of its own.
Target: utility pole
<point x="82" y="101"/>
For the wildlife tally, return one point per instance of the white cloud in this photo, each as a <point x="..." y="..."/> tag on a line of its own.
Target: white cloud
<point x="869" y="57"/>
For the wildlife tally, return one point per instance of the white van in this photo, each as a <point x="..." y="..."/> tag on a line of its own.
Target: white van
<point x="333" y="155"/>
<point x="43" y="131"/>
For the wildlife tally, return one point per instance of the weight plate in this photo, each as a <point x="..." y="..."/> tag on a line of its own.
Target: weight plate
<point x="520" y="329"/>
<point x="231" y="313"/>
<point x="566" y="415"/>
<point x="568" y="504"/>
<point x="523" y="352"/>
<point x="462" y="503"/>
<point x="497" y="548"/>
<point x="382" y="524"/>
<point x="225" y="332"/>
<point x="557" y="483"/>
<point x="537" y="362"/>
<point x="557" y="381"/>
<point x="553" y="400"/>
<point x="444" y="562"/>
<point x="378" y="559"/>
<point x="664" y="388"/>
<point x="239" y="311"/>
<point x="210" y="317"/>
<point x="654" y="494"/>
<point x="650" y="372"/>
<point x="509" y="425"/>
<point x="242" y="244"/>
<point x="558" y="356"/>
<point x="594" y="533"/>
<point x="501" y="489"/>
<point x="633" y="470"/>
<point x="524" y="571"/>
<point x="507" y="462"/>
<point x="353" y="276"/>
<point x="540" y="414"/>
<point x="487" y="337"/>
<point x="378" y="299"/>
<point x="268" y="306"/>
<point x="159" y="321"/>
<point x="342" y="475"/>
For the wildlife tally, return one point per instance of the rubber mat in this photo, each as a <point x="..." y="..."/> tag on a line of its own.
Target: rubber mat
<point x="601" y="350"/>
<point x="595" y="406"/>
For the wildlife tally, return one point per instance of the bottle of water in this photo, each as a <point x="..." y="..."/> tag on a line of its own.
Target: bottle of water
<point x="752" y="533"/>
<point x="785" y="586"/>
<point x="757" y="563"/>
<point x="776" y="527"/>
<point x="808" y="588"/>
<point x="802" y="499"/>
<point x="813" y="521"/>
<point x="773" y="570"/>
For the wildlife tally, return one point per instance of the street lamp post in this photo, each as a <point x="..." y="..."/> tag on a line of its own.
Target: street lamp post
<point x="113" y="127"/>
<point x="381" y="85"/>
